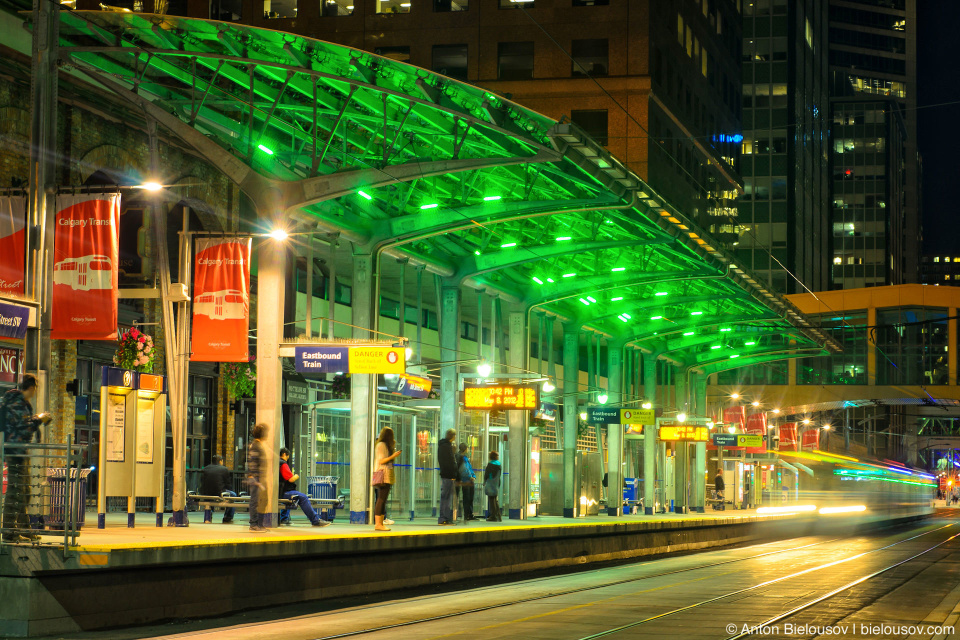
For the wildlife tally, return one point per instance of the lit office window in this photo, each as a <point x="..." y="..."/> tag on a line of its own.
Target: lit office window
<point x="393" y="6"/>
<point x="279" y="8"/>
<point x="442" y="6"/>
<point x="516" y="4"/>
<point x="333" y="8"/>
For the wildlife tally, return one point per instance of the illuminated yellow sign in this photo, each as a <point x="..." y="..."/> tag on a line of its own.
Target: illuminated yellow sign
<point x="377" y="360"/>
<point x="502" y="396"/>
<point x="684" y="433"/>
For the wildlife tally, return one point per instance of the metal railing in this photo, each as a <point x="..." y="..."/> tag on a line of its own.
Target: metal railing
<point x="43" y="487"/>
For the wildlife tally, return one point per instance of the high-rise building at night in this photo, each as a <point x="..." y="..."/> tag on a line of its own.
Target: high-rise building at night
<point x="874" y="160"/>
<point x="783" y="218"/>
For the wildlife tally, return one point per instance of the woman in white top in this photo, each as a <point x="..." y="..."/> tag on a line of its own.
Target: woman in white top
<point x="384" y="455"/>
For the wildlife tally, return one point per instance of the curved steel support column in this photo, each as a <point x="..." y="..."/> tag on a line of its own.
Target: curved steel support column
<point x="571" y="384"/>
<point x="649" y="435"/>
<point x="614" y="431"/>
<point x="449" y="350"/>
<point x="698" y="388"/>
<point x="517" y="455"/>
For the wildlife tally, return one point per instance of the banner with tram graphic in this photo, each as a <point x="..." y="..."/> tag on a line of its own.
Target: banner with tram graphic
<point x="810" y="439"/>
<point x="13" y="216"/>
<point x="85" y="260"/>
<point x="221" y="302"/>
<point x="788" y="436"/>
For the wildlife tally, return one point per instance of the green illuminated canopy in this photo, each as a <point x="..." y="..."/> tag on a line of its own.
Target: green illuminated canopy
<point x="479" y="189"/>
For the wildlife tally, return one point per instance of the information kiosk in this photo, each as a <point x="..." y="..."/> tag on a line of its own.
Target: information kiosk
<point x="132" y="426"/>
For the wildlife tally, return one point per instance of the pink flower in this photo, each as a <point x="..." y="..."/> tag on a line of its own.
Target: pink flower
<point x="134" y="333"/>
<point x="148" y="349"/>
<point x="139" y="346"/>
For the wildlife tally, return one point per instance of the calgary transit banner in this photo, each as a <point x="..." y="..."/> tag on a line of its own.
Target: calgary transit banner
<point x="735" y="417"/>
<point x="811" y="439"/>
<point x="756" y="425"/>
<point x="788" y="436"/>
<point x="13" y="214"/>
<point x="221" y="303"/>
<point x="85" y="259"/>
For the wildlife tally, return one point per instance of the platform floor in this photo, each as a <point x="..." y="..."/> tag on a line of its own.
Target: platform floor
<point x="117" y="535"/>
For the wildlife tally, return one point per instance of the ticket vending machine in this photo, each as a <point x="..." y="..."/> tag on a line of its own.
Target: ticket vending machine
<point x="132" y="427"/>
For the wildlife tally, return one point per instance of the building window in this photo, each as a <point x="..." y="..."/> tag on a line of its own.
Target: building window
<point x="450" y="60"/>
<point x="590" y="57"/>
<point x="590" y="3"/>
<point x="333" y="8"/>
<point x="593" y="122"/>
<point x="226" y="10"/>
<point x="279" y="8"/>
<point x="516" y="4"/>
<point x="680" y="29"/>
<point x="912" y="346"/>
<point x="442" y="6"/>
<point x="200" y="420"/>
<point x="400" y="54"/>
<point x="515" y="60"/>
<point x="393" y="6"/>
<point x="846" y="367"/>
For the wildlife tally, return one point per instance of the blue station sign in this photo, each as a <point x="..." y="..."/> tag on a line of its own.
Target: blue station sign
<point x="322" y="359"/>
<point x="13" y="321"/>
<point x="725" y="439"/>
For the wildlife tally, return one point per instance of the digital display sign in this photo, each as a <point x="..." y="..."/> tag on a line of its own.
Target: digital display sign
<point x="500" y="397"/>
<point x="684" y="433"/>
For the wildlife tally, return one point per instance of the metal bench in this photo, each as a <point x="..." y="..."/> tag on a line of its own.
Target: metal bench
<point x="242" y="503"/>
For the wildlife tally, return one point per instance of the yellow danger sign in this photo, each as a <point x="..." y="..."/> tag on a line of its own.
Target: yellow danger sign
<point x="377" y="360"/>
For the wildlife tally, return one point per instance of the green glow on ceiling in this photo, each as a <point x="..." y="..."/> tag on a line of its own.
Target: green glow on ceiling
<point x="726" y="329"/>
<point x="432" y="205"/>
<point x="586" y="302"/>
<point x="564" y="238"/>
<point x="569" y="275"/>
<point x="537" y="280"/>
<point x="591" y="299"/>
<point x="619" y="269"/>
<point x="660" y="293"/>
<point x="622" y="319"/>
<point x="507" y="245"/>
<point x="696" y="313"/>
<point x="734" y="356"/>
<point x="265" y="149"/>
<point x="617" y="299"/>
<point x="476" y="253"/>
<point x="688" y="333"/>
<point x="656" y="317"/>
<point x="750" y="344"/>
<point x="716" y="346"/>
<point x="491" y="198"/>
<point x="364" y="194"/>
<point x="627" y="316"/>
<point x="550" y="280"/>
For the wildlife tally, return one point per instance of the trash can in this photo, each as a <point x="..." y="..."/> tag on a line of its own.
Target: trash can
<point x="324" y="488"/>
<point x="58" y="497"/>
<point x="631" y="490"/>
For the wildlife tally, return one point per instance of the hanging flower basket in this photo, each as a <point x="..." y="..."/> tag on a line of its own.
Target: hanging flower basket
<point x="240" y="378"/>
<point x="341" y="387"/>
<point x="135" y="351"/>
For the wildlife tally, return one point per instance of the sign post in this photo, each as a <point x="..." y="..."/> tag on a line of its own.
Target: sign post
<point x="683" y="434"/>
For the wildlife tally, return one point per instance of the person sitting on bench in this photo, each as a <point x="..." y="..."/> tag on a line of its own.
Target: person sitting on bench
<point x="288" y="491"/>
<point x="214" y="481"/>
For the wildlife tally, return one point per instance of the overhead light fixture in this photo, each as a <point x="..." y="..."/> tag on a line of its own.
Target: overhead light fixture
<point x="826" y="427"/>
<point x="491" y="198"/>
<point x="660" y="293"/>
<point x="279" y="234"/>
<point x="735" y="396"/>
<point x="656" y="317"/>
<point x="619" y="269"/>
<point x="749" y="344"/>
<point x="755" y="403"/>
<point x="682" y="417"/>
<point x="688" y="333"/>
<point x="484" y="369"/>
<point x="265" y="149"/>
<point x="647" y="405"/>
<point x="806" y="421"/>
<point x="731" y="429"/>
<point x="776" y="411"/>
<point x="696" y="313"/>
<point x="617" y="299"/>
<point x="432" y="205"/>
<point x="507" y="245"/>
<point x="591" y="299"/>
<point x="408" y="352"/>
<point x="627" y="316"/>
<point x="150" y="186"/>
<point x="548" y="386"/>
<point x="584" y="301"/>
<point x="583" y="415"/>
<point x="537" y="280"/>
<point x="364" y="194"/>
<point x="569" y="275"/>
<point x="602" y="398"/>
<point x="564" y="238"/>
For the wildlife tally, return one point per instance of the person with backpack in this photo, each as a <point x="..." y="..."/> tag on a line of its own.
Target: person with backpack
<point x="466" y="478"/>
<point x="19" y="425"/>
<point x="491" y="487"/>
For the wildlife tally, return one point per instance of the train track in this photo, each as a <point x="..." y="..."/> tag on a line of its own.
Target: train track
<point x="520" y="601"/>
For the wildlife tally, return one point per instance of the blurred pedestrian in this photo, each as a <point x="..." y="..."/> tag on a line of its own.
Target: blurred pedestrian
<point x="466" y="478"/>
<point x="447" y="462"/>
<point x="215" y="480"/>
<point x="491" y="487"/>
<point x="383" y="475"/>
<point x="288" y="491"/>
<point x="20" y="425"/>
<point x="256" y="466"/>
<point x="718" y="488"/>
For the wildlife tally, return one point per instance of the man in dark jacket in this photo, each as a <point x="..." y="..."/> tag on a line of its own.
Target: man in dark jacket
<point x="19" y="425"/>
<point x="447" y="461"/>
<point x="718" y="486"/>
<point x="216" y="480"/>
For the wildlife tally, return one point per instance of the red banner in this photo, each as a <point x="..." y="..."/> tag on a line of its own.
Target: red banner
<point x="85" y="258"/>
<point x="735" y="417"/>
<point x="13" y="214"/>
<point x="756" y="425"/>
<point x="10" y="364"/>
<point x="221" y="303"/>
<point x="788" y="436"/>
<point x="811" y="439"/>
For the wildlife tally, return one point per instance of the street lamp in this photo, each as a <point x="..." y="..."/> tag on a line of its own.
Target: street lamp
<point x="681" y="417"/>
<point x="647" y="405"/>
<point x="484" y="369"/>
<point x="583" y="415"/>
<point x="279" y="234"/>
<point x="150" y="186"/>
<point x="755" y="403"/>
<point x="548" y="386"/>
<point x="776" y="412"/>
<point x="734" y="396"/>
<point x="602" y="398"/>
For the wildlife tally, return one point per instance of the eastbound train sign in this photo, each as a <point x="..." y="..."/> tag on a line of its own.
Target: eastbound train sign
<point x="619" y="415"/>
<point x="350" y="360"/>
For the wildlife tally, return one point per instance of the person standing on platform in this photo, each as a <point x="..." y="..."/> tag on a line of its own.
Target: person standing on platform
<point x="288" y="491"/>
<point x="256" y="462"/>
<point x="384" y="456"/>
<point x="467" y="487"/>
<point x="491" y="486"/>
<point x="214" y="481"/>
<point x="718" y="486"/>
<point x="447" y="461"/>
<point x="19" y="425"/>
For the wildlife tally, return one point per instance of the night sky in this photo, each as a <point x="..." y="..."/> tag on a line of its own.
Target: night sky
<point x="939" y="126"/>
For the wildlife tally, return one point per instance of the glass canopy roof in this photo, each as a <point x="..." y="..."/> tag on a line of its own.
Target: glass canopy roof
<point x="479" y="189"/>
